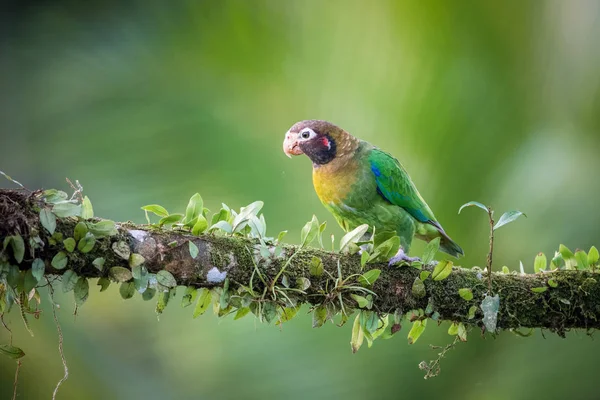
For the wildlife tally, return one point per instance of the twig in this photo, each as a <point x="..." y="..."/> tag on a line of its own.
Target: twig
<point x="13" y="181"/>
<point x="60" y="344"/>
<point x="16" y="380"/>
<point x="491" y="251"/>
<point x="78" y="189"/>
<point x="10" y="337"/>
<point x="433" y="368"/>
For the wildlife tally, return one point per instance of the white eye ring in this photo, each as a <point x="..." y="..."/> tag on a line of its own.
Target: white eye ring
<point x="306" y="134"/>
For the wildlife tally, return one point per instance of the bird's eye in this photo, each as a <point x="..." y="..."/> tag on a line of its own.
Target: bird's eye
<point x="307" y="133"/>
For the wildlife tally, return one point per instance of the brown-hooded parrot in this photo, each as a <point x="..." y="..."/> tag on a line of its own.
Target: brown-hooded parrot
<point x="361" y="184"/>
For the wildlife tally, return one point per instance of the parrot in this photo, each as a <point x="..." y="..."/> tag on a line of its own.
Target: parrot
<point x="360" y="184"/>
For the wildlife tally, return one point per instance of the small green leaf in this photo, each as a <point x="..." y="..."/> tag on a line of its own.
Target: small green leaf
<point x="104" y="283"/>
<point x="223" y="215"/>
<point x="593" y="256"/>
<point x="241" y="313"/>
<point x="189" y="296"/>
<point x="194" y="208"/>
<point x="156" y="209"/>
<point x="472" y="312"/>
<point x="225" y="295"/>
<point x="473" y="203"/>
<point x="81" y="291"/>
<point x="466" y="294"/>
<point x="136" y="260"/>
<point x="360" y="300"/>
<point x="141" y="277"/>
<point x="38" y="268"/>
<point x="102" y="229"/>
<point x="316" y="266"/>
<point x="418" y="288"/>
<point x="29" y="281"/>
<point x="55" y="196"/>
<point x="66" y="209"/>
<point x="357" y="335"/>
<point x="86" y="243"/>
<point x="369" y="277"/>
<point x="14" y="277"/>
<point x="281" y="235"/>
<point x="11" y="351"/>
<point x="245" y="214"/>
<point x="418" y="327"/>
<point x="200" y="225"/>
<point x="148" y="294"/>
<point x="287" y="314"/>
<point x="540" y="289"/>
<point x="69" y="244"/>
<point x="302" y="283"/>
<point x="386" y="249"/>
<point x="269" y="311"/>
<point x="508" y="217"/>
<point x="165" y="278"/>
<point x="453" y="329"/>
<point x="540" y="263"/>
<point x="193" y="249"/>
<point x="319" y="316"/>
<point x="87" y="211"/>
<point x="18" y="247"/>
<point x="442" y="270"/>
<point x="127" y="290"/>
<point x="505" y="270"/>
<point x="48" y="220"/>
<point x="462" y="332"/>
<point x="364" y="258"/>
<point x="222" y="225"/>
<point x="430" y="250"/>
<point x="162" y="301"/>
<point x="309" y="232"/>
<point x="60" y="260"/>
<point x="80" y="231"/>
<point x="582" y="260"/>
<point x="369" y="321"/>
<point x="568" y="256"/>
<point x="120" y="274"/>
<point x="99" y="263"/>
<point x="170" y="219"/>
<point x="204" y="299"/>
<point x="321" y="230"/>
<point x="122" y="249"/>
<point x="69" y="279"/>
<point x="424" y="275"/>
<point x="353" y="236"/>
<point x="552" y="283"/>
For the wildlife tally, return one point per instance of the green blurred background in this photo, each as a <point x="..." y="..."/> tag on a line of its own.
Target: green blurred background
<point x="149" y="102"/>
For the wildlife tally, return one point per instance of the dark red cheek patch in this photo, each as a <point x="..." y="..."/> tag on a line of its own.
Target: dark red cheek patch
<point x="325" y="142"/>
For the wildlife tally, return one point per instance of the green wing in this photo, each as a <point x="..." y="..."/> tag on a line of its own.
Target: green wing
<point x="394" y="184"/>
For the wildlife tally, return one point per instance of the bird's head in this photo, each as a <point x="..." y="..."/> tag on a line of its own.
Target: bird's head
<point x="319" y="140"/>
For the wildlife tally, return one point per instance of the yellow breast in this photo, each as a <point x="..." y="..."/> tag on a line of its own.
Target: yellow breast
<point x="333" y="183"/>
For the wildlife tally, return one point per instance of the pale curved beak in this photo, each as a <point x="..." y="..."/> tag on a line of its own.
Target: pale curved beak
<point x="290" y="145"/>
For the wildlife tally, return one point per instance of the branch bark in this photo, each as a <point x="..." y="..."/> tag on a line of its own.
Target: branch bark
<point x="573" y="303"/>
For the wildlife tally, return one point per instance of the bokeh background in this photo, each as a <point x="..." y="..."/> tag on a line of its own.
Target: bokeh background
<point x="149" y="102"/>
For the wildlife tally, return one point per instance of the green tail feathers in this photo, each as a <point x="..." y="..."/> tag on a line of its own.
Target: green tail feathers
<point x="448" y="245"/>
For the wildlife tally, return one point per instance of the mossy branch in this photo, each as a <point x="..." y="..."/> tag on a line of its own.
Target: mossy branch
<point x="571" y="301"/>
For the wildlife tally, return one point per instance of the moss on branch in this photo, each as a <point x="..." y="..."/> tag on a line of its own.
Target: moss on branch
<point x="570" y="300"/>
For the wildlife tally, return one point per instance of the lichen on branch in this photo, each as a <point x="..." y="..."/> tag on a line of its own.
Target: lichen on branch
<point x="262" y="275"/>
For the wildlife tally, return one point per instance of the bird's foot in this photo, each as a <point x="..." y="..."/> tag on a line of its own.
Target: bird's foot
<point x="402" y="258"/>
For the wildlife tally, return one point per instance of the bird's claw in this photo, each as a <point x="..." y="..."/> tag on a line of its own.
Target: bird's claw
<point x="402" y="258"/>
